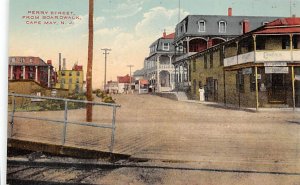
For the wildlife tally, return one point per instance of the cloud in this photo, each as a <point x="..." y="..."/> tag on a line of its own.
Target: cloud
<point x="157" y="19"/>
<point x="126" y="9"/>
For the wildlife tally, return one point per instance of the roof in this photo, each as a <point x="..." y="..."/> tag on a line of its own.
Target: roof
<point x="27" y="61"/>
<point x="281" y="26"/>
<point x="170" y="36"/>
<point x="124" y="79"/>
<point x="144" y="82"/>
<point x="233" y="28"/>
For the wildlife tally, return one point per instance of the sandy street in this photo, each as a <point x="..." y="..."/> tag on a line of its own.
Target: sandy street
<point x="186" y="135"/>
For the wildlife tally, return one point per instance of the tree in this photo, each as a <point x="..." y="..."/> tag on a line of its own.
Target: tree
<point x="89" y="94"/>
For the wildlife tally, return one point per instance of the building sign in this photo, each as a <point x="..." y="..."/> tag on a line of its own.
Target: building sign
<point x="297" y="77"/>
<point x="275" y="64"/>
<point x="247" y="71"/>
<point x="262" y="56"/>
<point x="269" y="70"/>
<point x="296" y="55"/>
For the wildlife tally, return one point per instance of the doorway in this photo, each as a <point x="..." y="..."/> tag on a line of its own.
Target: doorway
<point x="277" y="89"/>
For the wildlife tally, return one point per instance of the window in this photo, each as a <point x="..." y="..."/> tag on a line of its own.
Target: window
<point x="63" y="73"/>
<point x="194" y="65"/>
<point x="77" y="80"/>
<point x="31" y="76"/>
<point x="240" y="86"/>
<point x="264" y="23"/>
<point x="205" y="62"/>
<point x="78" y="73"/>
<point x="166" y="46"/>
<point x="70" y="80"/>
<point x="211" y="60"/>
<point x="286" y="42"/>
<point x="179" y="48"/>
<point x="70" y="74"/>
<point x="221" y="56"/>
<point x="222" y="27"/>
<point x="30" y="60"/>
<point x="62" y="81"/>
<point x="201" y="25"/>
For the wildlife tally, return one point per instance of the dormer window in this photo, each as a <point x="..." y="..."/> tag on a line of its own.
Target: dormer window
<point x="166" y="46"/>
<point x="264" y="23"/>
<point x="201" y="26"/>
<point x="222" y="27"/>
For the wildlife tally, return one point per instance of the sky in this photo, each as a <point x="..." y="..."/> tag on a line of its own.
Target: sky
<point x="127" y="27"/>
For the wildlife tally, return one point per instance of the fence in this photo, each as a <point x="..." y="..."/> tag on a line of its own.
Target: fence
<point x="65" y="121"/>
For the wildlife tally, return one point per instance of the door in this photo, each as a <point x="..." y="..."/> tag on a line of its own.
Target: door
<point x="277" y="88"/>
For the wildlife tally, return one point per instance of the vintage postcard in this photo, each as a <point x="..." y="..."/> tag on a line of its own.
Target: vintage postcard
<point x="153" y="92"/>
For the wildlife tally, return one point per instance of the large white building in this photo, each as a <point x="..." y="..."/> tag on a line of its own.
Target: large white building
<point x="158" y="67"/>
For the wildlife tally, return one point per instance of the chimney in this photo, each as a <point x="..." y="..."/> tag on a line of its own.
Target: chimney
<point x="229" y="11"/>
<point x="59" y="61"/>
<point x="49" y="62"/>
<point x="164" y="34"/>
<point x="64" y="64"/>
<point x="246" y="26"/>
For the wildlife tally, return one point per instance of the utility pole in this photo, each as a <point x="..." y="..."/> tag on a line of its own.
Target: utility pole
<point x="105" y="53"/>
<point x="130" y="66"/>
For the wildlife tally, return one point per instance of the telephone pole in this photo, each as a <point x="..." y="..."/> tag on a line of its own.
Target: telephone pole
<point x="105" y="53"/>
<point x="130" y="66"/>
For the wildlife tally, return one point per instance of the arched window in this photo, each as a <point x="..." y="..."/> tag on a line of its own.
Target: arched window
<point x="222" y="27"/>
<point x="201" y="26"/>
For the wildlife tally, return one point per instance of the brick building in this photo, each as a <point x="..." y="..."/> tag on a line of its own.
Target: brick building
<point x="256" y="69"/>
<point x="32" y="68"/>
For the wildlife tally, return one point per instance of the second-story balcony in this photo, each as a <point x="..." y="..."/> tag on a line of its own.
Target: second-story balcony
<point x="262" y="56"/>
<point x="166" y="67"/>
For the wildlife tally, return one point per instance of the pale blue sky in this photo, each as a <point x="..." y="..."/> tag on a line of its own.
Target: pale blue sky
<point x="128" y="27"/>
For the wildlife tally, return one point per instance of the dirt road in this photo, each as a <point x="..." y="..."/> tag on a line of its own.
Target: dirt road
<point x="192" y="135"/>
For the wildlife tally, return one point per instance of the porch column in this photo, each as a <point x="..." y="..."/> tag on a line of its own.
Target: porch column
<point x="188" y="71"/>
<point x="256" y="80"/>
<point x="24" y="72"/>
<point x="36" y="73"/>
<point x="157" y="71"/>
<point x="11" y="72"/>
<point x="188" y="44"/>
<point x="293" y="87"/>
<point x="49" y="76"/>
<point x="293" y="72"/>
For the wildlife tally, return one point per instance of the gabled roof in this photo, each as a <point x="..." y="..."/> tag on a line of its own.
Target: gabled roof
<point x="26" y="61"/>
<point x="124" y="79"/>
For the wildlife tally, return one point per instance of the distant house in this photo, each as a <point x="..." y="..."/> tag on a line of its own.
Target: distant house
<point x="125" y="83"/>
<point x="112" y="87"/>
<point x="32" y="68"/>
<point x="196" y="33"/>
<point x="71" y="79"/>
